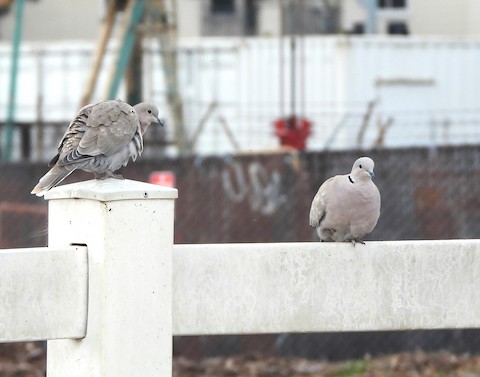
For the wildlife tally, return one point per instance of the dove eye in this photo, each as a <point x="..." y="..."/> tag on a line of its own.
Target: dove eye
<point x="360" y="166"/>
<point x="149" y="111"/>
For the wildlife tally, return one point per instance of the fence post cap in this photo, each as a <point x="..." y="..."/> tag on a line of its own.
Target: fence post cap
<point x="111" y="189"/>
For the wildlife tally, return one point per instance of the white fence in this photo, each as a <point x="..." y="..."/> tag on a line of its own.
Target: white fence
<point x="112" y="289"/>
<point x="427" y="86"/>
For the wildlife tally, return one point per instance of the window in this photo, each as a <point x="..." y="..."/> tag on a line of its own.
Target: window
<point x="397" y="28"/>
<point x="392" y="3"/>
<point x="250" y="18"/>
<point x="222" y="6"/>
<point x="358" y="28"/>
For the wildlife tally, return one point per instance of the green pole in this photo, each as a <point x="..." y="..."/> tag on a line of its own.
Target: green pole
<point x="126" y="48"/>
<point x="17" y="34"/>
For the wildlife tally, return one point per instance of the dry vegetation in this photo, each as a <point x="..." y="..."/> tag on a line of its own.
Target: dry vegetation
<point x="416" y="364"/>
<point x="28" y="360"/>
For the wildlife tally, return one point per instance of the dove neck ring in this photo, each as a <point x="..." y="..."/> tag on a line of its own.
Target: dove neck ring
<point x="351" y="179"/>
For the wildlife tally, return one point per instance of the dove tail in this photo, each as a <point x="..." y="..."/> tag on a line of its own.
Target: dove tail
<point x="53" y="177"/>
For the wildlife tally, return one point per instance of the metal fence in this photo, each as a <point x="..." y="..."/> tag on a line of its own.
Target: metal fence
<point x="426" y="194"/>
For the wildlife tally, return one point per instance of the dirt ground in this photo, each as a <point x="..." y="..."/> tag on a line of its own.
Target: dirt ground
<point x="28" y="360"/>
<point x="416" y="364"/>
<point x="22" y="359"/>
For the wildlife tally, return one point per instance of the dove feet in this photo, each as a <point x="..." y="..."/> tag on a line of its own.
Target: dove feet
<point x="116" y="176"/>
<point x="108" y="175"/>
<point x="355" y="241"/>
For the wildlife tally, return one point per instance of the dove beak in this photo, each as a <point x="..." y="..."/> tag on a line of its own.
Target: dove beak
<point x="159" y="122"/>
<point x="372" y="174"/>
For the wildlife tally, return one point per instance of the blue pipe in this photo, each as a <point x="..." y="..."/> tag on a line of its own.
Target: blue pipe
<point x="371" y="8"/>
<point x="17" y="34"/>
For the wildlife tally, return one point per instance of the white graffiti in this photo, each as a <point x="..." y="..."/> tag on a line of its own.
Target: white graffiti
<point x="259" y="187"/>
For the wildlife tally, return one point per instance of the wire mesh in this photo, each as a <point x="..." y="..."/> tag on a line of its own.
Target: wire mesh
<point x="426" y="194"/>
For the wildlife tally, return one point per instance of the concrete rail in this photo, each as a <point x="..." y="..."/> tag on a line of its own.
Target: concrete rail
<point x="315" y="287"/>
<point x="43" y="293"/>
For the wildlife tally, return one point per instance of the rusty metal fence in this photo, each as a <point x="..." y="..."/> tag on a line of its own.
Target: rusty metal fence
<point x="426" y="194"/>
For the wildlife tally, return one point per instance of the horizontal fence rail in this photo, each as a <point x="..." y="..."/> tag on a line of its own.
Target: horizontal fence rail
<point x="318" y="287"/>
<point x="43" y="294"/>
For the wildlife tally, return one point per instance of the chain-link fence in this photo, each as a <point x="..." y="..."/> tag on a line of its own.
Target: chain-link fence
<point x="426" y="194"/>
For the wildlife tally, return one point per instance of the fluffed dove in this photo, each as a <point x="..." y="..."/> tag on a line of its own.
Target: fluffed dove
<point x="347" y="207"/>
<point x="102" y="138"/>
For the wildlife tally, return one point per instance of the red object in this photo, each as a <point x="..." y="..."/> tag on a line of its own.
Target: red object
<point x="293" y="132"/>
<point x="163" y="178"/>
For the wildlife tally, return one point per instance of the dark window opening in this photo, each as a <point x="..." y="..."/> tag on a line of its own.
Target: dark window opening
<point x="250" y="18"/>
<point x="397" y="28"/>
<point x="392" y="3"/>
<point x="222" y="6"/>
<point x="358" y="28"/>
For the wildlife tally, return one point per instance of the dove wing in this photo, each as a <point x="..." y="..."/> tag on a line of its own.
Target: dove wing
<point x="72" y="137"/>
<point x="319" y="203"/>
<point x="101" y="129"/>
<point x="110" y="127"/>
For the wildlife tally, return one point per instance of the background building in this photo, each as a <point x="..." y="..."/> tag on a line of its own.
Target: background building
<point x="243" y="65"/>
<point x="73" y="20"/>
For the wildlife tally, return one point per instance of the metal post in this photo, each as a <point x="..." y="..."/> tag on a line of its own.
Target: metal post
<point x="371" y="24"/>
<point x="105" y="34"/>
<point x="126" y="48"/>
<point x="169" y="61"/>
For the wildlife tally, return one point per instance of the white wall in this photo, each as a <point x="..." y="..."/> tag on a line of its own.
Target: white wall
<point x="445" y="17"/>
<point x="269" y="18"/>
<point x="56" y="20"/>
<point x="423" y="17"/>
<point x="428" y="86"/>
<point x="352" y="12"/>
<point x="80" y="20"/>
<point x="189" y="18"/>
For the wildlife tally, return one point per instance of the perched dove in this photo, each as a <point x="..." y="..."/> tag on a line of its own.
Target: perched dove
<point x="102" y="138"/>
<point x="347" y="207"/>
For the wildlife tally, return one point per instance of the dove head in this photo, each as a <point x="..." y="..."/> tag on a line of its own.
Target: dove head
<point x="363" y="168"/>
<point x="147" y="114"/>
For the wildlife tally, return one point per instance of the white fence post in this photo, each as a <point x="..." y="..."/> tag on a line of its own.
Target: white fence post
<point x="128" y="229"/>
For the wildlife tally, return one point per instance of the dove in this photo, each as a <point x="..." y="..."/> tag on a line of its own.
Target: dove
<point x="347" y="207"/>
<point x="101" y="138"/>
